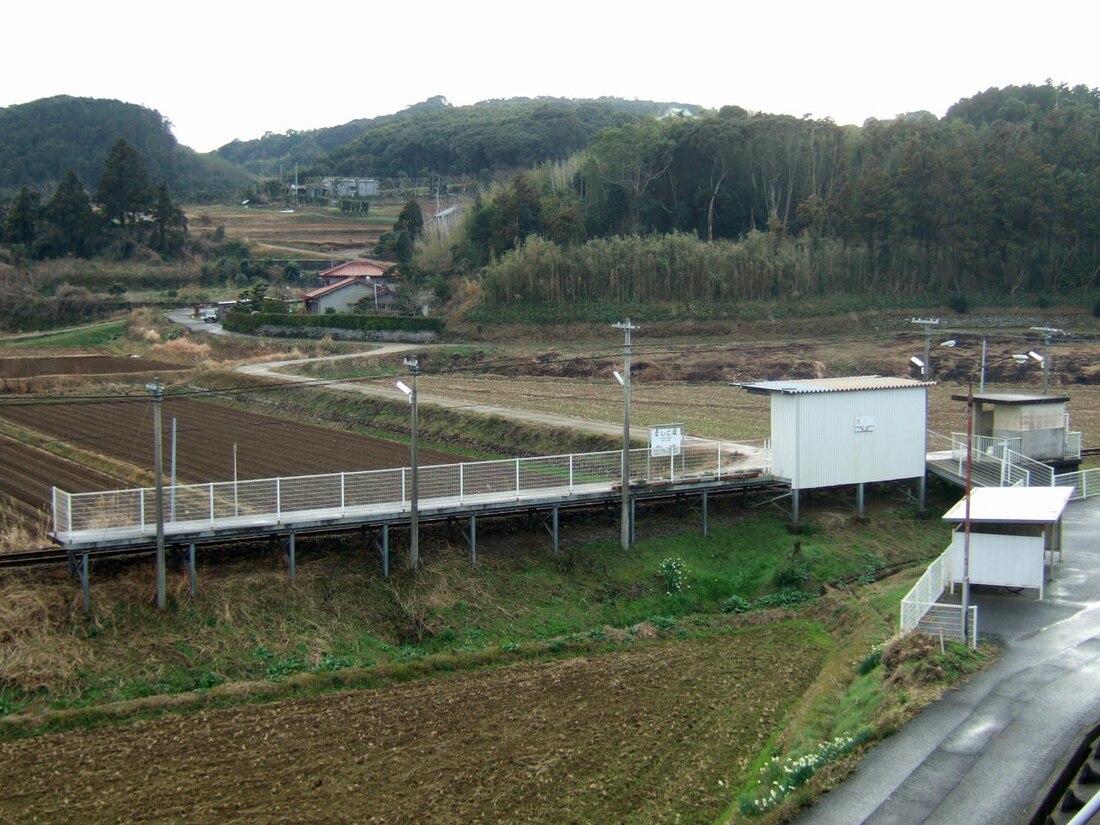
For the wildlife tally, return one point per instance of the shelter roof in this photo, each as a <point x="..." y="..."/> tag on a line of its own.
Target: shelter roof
<point x="846" y="384"/>
<point x="1011" y="398"/>
<point x="1012" y="505"/>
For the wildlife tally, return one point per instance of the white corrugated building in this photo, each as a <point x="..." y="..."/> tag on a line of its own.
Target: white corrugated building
<point x="827" y="432"/>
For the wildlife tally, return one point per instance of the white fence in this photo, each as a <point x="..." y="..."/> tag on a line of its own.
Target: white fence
<point x="1085" y="483"/>
<point x="277" y="500"/>
<point x="922" y="611"/>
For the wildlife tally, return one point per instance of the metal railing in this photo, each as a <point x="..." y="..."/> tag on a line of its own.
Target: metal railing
<point x="237" y="503"/>
<point x="922" y="611"/>
<point x="1085" y="483"/>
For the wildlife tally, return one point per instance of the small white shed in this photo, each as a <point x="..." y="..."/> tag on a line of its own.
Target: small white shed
<point x="831" y="431"/>
<point x="1013" y="531"/>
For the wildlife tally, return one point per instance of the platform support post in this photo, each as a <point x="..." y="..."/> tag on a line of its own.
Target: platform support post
<point x="191" y="567"/>
<point x="472" y="538"/>
<point x="706" y="526"/>
<point x="84" y="583"/>
<point x="554" y="529"/>
<point x="291" y="559"/>
<point x="859" y="499"/>
<point x="794" y="506"/>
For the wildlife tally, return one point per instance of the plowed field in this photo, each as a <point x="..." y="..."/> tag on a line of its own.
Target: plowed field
<point x="205" y="437"/>
<point x="27" y="474"/>
<point x="41" y="366"/>
<point x="659" y="734"/>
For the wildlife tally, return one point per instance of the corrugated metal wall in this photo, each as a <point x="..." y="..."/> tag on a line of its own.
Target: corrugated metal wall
<point x="831" y="438"/>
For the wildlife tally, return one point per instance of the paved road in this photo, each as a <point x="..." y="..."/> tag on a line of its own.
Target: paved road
<point x="986" y="751"/>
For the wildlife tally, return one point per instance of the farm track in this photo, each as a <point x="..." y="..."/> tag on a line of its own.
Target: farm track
<point x="206" y="435"/>
<point x="101" y="365"/>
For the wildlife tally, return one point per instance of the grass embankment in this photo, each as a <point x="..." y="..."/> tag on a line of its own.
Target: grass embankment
<point x="93" y="335"/>
<point x="444" y="429"/>
<point x="248" y="635"/>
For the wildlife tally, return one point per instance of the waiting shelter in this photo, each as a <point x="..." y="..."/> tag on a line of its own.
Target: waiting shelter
<point x="1014" y="532"/>
<point x="828" y="432"/>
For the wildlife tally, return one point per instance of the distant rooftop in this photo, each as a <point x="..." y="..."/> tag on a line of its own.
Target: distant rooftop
<point x="847" y="384"/>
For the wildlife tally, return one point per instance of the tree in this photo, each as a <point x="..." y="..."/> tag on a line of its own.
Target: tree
<point x="76" y="227"/>
<point x="170" y="224"/>
<point x="21" y="221"/>
<point x="124" y="192"/>
<point x="411" y="220"/>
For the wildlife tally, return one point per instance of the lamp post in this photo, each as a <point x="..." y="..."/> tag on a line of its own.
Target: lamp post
<point x="414" y="522"/>
<point x="627" y="328"/>
<point x="969" y="486"/>
<point x="158" y="466"/>
<point x="928" y="323"/>
<point x="1048" y="333"/>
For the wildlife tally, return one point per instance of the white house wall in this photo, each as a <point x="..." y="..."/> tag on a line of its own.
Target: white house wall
<point x="832" y="438"/>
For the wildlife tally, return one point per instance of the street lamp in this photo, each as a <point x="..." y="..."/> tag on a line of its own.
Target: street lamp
<point x="624" y="379"/>
<point x="158" y="468"/>
<point x="1044" y="359"/>
<point x="414" y="521"/>
<point x="1019" y="358"/>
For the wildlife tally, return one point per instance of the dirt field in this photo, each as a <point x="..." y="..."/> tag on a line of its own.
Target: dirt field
<point x="104" y="365"/>
<point x="306" y="232"/>
<point x="659" y="734"/>
<point x="206" y="433"/>
<point x="27" y="474"/>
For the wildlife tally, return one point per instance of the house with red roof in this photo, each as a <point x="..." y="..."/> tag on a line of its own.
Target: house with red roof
<point x="349" y="283"/>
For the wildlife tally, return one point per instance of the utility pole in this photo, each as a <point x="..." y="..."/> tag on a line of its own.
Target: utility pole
<point x="926" y="370"/>
<point x="627" y="328"/>
<point x="1048" y="333"/>
<point x="158" y="464"/>
<point x="414" y="505"/>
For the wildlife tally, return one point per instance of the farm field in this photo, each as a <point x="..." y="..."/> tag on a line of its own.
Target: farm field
<point x="307" y="232"/>
<point x="655" y="734"/>
<point x="206" y="434"/>
<point x="35" y="366"/>
<point x="27" y="473"/>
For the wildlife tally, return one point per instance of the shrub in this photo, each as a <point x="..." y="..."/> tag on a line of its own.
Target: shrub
<point x="959" y="303"/>
<point x="736" y="604"/>
<point x="675" y="574"/>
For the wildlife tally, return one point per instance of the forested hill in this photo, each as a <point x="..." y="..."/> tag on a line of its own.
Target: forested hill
<point x="434" y="137"/>
<point x="42" y="140"/>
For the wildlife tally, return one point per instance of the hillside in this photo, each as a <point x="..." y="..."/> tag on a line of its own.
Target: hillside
<point x="434" y="136"/>
<point x="42" y="140"/>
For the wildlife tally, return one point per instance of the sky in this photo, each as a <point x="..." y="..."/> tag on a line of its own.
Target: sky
<point x="236" y="69"/>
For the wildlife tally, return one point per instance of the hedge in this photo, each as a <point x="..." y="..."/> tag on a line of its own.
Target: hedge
<point x="251" y="321"/>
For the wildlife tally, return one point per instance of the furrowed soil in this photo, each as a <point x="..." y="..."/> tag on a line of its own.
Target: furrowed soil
<point x="656" y="734"/>
<point x="206" y="434"/>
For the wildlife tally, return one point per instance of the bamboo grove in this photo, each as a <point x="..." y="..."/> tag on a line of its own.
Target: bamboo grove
<point x="1002" y="195"/>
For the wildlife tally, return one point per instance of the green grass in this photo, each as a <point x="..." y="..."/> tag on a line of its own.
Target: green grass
<point x="93" y="335"/>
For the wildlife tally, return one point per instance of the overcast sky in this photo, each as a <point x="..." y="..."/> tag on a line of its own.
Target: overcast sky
<point x="238" y="68"/>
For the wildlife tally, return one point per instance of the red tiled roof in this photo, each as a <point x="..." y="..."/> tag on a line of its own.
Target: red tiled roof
<point x="354" y="269"/>
<point x="338" y="285"/>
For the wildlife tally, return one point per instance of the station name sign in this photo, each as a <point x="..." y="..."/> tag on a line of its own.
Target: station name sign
<point x="667" y="439"/>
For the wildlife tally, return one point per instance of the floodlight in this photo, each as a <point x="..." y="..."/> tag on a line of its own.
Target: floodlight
<point x="950" y="342"/>
<point x="916" y="362"/>
<point x="618" y="377"/>
<point x="401" y="385"/>
<point x="1035" y="355"/>
<point x="1019" y="358"/>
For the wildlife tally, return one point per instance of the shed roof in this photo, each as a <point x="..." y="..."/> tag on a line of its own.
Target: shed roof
<point x="1012" y="505"/>
<point x="846" y="384"/>
<point x="1011" y="398"/>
